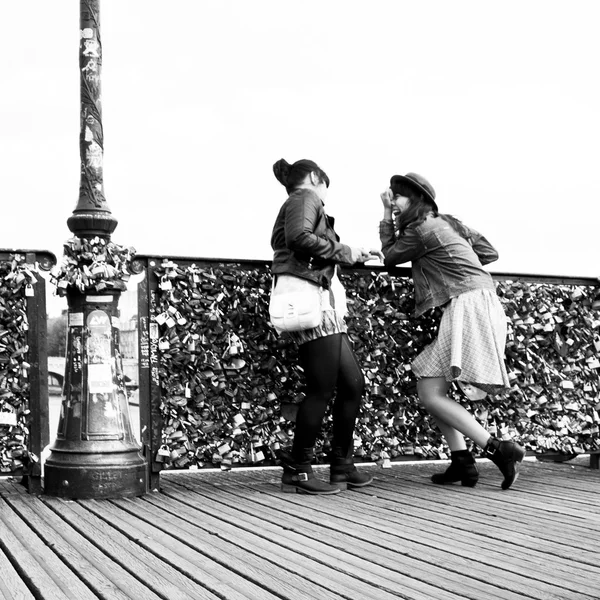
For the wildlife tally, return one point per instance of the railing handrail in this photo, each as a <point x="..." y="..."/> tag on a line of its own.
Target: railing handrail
<point x="45" y="258"/>
<point x="397" y="271"/>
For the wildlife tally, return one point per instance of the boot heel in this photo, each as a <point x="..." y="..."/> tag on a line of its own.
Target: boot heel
<point x="507" y="456"/>
<point x="286" y="488"/>
<point x="462" y="468"/>
<point x="342" y="485"/>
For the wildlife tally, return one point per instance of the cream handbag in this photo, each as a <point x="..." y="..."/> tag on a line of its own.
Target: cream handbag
<point x="295" y="304"/>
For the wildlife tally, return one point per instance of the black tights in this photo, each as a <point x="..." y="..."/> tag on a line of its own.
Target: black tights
<point x="329" y="366"/>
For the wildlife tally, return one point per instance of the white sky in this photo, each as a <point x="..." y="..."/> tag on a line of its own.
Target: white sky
<point x="496" y="103"/>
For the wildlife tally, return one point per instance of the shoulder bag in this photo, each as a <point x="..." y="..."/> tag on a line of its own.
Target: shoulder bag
<point x="295" y="303"/>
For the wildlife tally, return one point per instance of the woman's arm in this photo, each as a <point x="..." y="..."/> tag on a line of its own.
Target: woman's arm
<point x="399" y="250"/>
<point x="301" y="219"/>
<point x="484" y="250"/>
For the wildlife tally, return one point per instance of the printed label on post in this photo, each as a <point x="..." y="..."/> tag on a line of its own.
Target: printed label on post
<point x="100" y="379"/>
<point x="76" y="320"/>
<point x="98" y="298"/>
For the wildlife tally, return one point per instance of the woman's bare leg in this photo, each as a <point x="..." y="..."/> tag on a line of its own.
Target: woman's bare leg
<point x="454" y="420"/>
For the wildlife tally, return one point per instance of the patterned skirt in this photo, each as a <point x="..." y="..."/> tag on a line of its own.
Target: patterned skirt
<point x="470" y="343"/>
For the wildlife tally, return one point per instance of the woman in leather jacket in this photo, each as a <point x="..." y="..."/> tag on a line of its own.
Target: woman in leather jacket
<point x="447" y="259"/>
<point x="306" y="246"/>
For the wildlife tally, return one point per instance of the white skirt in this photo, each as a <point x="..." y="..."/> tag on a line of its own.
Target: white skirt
<point x="470" y="343"/>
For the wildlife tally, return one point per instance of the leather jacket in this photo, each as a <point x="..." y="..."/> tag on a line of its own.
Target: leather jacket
<point x="444" y="264"/>
<point x="304" y="242"/>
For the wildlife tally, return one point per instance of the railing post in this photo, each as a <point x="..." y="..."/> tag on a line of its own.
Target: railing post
<point x="95" y="454"/>
<point x="149" y="381"/>
<point x="38" y="378"/>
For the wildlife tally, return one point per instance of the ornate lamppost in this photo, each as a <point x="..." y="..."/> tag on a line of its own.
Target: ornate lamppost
<point x="95" y="454"/>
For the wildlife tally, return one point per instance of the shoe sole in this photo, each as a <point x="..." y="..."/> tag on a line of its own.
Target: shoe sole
<point x="292" y="489"/>
<point x="344" y="485"/>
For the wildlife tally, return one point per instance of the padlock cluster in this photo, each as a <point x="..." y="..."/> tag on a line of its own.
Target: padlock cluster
<point x="230" y="385"/>
<point x="16" y="282"/>
<point x="553" y="352"/>
<point x="92" y="265"/>
<point x="223" y="371"/>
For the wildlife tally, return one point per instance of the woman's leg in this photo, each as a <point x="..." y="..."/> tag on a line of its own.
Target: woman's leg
<point x="454" y="420"/>
<point x="320" y="360"/>
<point x="350" y="388"/>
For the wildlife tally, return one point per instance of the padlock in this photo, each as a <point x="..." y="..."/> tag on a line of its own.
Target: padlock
<point x="163" y="454"/>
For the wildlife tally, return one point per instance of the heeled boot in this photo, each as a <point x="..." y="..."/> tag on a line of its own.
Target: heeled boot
<point x="298" y="475"/>
<point x="462" y="468"/>
<point x="506" y="455"/>
<point x="343" y="472"/>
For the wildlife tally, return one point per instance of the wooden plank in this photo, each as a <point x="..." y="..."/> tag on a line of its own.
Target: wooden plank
<point x="494" y="521"/>
<point x="12" y="587"/>
<point x="517" y="500"/>
<point x="235" y="536"/>
<point x="192" y="557"/>
<point x="96" y="559"/>
<point x="506" y="511"/>
<point x="382" y="517"/>
<point x="476" y="525"/>
<point x="418" y="557"/>
<point x="502" y="515"/>
<point x="293" y="567"/>
<point x="10" y="486"/>
<point x="350" y="555"/>
<point x="318" y="502"/>
<point x="45" y="575"/>
<point x="234" y="551"/>
<point x="129" y="550"/>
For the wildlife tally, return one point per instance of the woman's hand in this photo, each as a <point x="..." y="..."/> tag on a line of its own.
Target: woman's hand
<point x="363" y="255"/>
<point x="386" y="199"/>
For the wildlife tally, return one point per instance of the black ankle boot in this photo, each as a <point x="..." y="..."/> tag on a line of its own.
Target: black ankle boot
<point x="343" y="473"/>
<point x="506" y="455"/>
<point x="462" y="468"/>
<point x="298" y="475"/>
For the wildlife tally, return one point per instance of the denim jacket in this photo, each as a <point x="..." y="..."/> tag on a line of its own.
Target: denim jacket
<point x="444" y="264"/>
<point x="304" y="242"/>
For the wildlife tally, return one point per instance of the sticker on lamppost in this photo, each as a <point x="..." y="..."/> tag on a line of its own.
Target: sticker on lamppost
<point x="100" y="376"/>
<point x="100" y="379"/>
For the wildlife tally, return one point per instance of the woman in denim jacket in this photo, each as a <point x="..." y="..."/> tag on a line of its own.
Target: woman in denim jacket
<point x="305" y="246"/>
<point x="447" y="261"/>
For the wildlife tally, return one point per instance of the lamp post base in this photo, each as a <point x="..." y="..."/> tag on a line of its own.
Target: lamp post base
<point x="120" y="475"/>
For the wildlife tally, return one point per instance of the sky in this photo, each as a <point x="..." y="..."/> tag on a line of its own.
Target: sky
<point x="495" y="103"/>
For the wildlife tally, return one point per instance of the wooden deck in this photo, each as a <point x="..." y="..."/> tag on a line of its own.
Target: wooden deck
<point x="234" y="535"/>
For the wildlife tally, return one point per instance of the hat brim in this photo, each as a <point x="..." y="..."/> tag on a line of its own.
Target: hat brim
<point x="413" y="183"/>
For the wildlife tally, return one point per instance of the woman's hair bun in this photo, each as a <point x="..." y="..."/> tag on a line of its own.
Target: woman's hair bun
<point x="281" y="169"/>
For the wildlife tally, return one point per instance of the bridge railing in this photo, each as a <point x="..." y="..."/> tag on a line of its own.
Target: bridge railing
<point x="24" y="430"/>
<point x="223" y="387"/>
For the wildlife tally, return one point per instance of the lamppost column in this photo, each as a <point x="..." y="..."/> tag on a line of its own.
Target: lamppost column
<point x="91" y="215"/>
<point x="95" y="454"/>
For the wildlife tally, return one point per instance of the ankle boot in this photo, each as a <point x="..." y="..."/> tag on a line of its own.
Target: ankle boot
<point x="343" y="473"/>
<point x="506" y="455"/>
<point x="462" y="468"/>
<point x="298" y="475"/>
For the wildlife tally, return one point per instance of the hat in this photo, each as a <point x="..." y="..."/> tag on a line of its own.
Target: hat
<point x="418" y="182"/>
